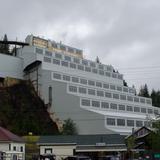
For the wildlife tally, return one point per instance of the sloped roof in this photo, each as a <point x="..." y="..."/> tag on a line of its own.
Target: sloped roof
<point x="108" y="139"/>
<point x="6" y="135"/>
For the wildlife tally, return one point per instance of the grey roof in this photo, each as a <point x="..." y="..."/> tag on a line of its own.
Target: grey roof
<point x="108" y="139"/>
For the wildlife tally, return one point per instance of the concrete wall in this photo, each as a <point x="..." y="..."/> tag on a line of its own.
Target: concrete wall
<point x="68" y="106"/>
<point x="11" y="66"/>
<point x="4" y="146"/>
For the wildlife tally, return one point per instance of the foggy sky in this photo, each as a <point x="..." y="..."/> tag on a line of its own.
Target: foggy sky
<point x="123" y="33"/>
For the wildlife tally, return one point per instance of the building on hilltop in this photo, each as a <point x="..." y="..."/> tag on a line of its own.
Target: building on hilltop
<point x="90" y="93"/>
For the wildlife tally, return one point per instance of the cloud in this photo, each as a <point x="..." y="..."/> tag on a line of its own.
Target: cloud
<point x="122" y="33"/>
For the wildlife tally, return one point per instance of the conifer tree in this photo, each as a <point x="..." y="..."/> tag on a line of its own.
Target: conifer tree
<point x="4" y="48"/>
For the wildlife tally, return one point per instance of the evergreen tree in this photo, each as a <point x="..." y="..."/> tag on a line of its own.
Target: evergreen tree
<point x="125" y="83"/>
<point x="144" y="91"/>
<point x="4" y="48"/>
<point x="97" y="60"/>
<point x="69" y="127"/>
<point x="155" y="95"/>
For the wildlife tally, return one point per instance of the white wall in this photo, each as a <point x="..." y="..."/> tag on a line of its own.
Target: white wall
<point x="4" y="146"/>
<point x="11" y="66"/>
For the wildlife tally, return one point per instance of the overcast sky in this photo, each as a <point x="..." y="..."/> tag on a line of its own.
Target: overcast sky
<point x="123" y="33"/>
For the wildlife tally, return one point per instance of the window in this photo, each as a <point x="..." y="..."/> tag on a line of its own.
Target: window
<point x="91" y="91"/>
<point x="66" y="78"/>
<point x="120" y="76"/>
<point x="136" y="99"/>
<point x="148" y="101"/>
<point x="72" y="65"/>
<point x="80" y="67"/>
<point x="129" y="108"/>
<point x="84" y="62"/>
<point x="101" y="72"/>
<point x="150" y="111"/>
<point x="56" y="61"/>
<point x="72" y="88"/>
<point x="125" y="89"/>
<point x="108" y="68"/>
<point x="94" y="70"/>
<point x="76" y="60"/>
<point x="47" y="53"/>
<point x="100" y="93"/>
<point x="85" y="102"/>
<point x="111" y="121"/>
<point x="21" y="149"/>
<point x="46" y="59"/>
<point x="88" y="69"/>
<point x="83" y="81"/>
<point x="91" y="83"/>
<point x="65" y="64"/>
<point x="105" y="85"/>
<point x="119" y="88"/>
<point x="142" y="100"/>
<point x="139" y="123"/>
<point x="104" y="105"/>
<point x="70" y="50"/>
<point x="108" y="74"/>
<point x="57" y="55"/>
<point x="112" y="87"/>
<point x="113" y="106"/>
<point x="56" y="76"/>
<point x="114" y="75"/>
<point x="115" y="96"/>
<point x="67" y="58"/>
<point x="131" y="90"/>
<point x="100" y="66"/>
<point x="48" y="150"/>
<point x="39" y="51"/>
<point x="122" y="107"/>
<point x="120" y="122"/>
<point x="95" y="103"/>
<point x="130" y="123"/>
<point x="143" y="110"/>
<point x="92" y="64"/>
<point x="50" y="95"/>
<point x="129" y="98"/>
<point x="136" y="109"/>
<point x="98" y="84"/>
<point x="75" y="79"/>
<point x="82" y="90"/>
<point x="122" y="97"/>
<point x="14" y="148"/>
<point x="107" y="94"/>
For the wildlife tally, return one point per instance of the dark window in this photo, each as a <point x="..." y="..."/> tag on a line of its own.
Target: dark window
<point x="125" y="89"/>
<point x="136" y="109"/>
<point x="76" y="60"/>
<point x="95" y="103"/>
<point x="88" y="69"/>
<point x="107" y="94"/>
<point x="21" y="149"/>
<point x="67" y="58"/>
<point x="129" y="98"/>
<point x="120" y="122"/>
<point x="91" y="83"/>
<point x="122" y="107"/>
<point x="100" y="93"/>
<point x="50" y="95"/>
<point x="143" y="110"/>
<point x="80" y="67"/>
<point x="123" y="97"/>
<point x="115" y="96"/>
<point x="72" y="88"/>
<point x="139" y="123"/>
<point x="75" y="79"/>
<point x="94" y="70"/>
<point x="57" y="55"/>
<point x="56" y="61"/>
<point x="98" y="84"/>
<point x="85" y="102"/>
<point x="47" y="53"/>
<point x="14" y="148"/>
<point x="39" y="51"/>
<point x="105" y="85"/>
<point x="101" y="72"/>
<point x="72" y="65"/>
<point x="108" y="74"/>
<point x="119" y="88"/>
<point x="46" y="59"/>
<point x="83" y="81"/>
<point x="100" y="66"/>
<point x="56" y="76"/>
<point x="142" y="100"/>
<point x="129" y="108"/>
<point x="104" y="105"/>
<point x="66" y="78"/>
<point x="82" y="90"/>
<point x="150" y="111"/>
<point x="114" y="75"/>
<point x="111" y="121"/>
<point x="91" y="91"/>
<point x="136" y="99"/>
<point x="112" y="87"/>
<point x="130" y="123"/>
<point x="65" y="64"/>
<point x="113" y="106"/>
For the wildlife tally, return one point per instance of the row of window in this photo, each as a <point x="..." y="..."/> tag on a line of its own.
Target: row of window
<point x="75" y="60"/>
<point x="97" y="84"/>
<point x="101" y="93"/>
<point x="114" y="106"/>
<point x="83" y="68"/>
<point x="126" y="122"/>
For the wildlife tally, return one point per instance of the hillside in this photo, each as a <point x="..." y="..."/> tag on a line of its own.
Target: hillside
<point x="22" y="111"/>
